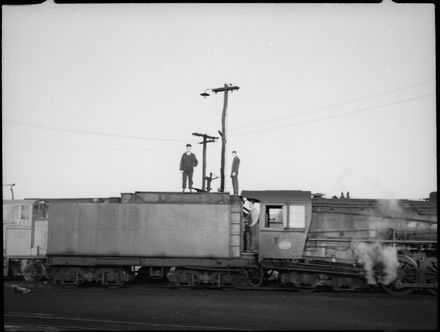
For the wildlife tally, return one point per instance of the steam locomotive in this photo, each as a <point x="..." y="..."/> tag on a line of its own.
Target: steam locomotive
<point x="304" y="241"/>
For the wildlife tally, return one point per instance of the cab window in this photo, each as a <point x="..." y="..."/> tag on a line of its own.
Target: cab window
<point x="276" y="216"/>
<point x="297" y="216"/>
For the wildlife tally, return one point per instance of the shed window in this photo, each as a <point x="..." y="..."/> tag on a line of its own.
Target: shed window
<point x="297" y="216"/>
<point x="25" y="212"/>
<point x="7" y="214"/>
<point x="14" y="213"/>
<point x="40" y="210"/>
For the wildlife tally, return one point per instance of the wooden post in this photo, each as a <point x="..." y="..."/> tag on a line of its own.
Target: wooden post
<point x="204" y="142"/>
<point x="225" y="90"/>
<point x="204" y="163"/>
<point x="222" y="166"/>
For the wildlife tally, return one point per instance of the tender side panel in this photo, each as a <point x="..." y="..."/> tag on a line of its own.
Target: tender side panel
<point x="144" y="230"/>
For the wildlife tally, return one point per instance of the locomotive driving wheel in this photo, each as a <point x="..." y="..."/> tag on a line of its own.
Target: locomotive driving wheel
<point x="307" y="283"/>
<point x="406" y="274"/>
<point x="344" y="284"/>
<point x="428" y="274"/>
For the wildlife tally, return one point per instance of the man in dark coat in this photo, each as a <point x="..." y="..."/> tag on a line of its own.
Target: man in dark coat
<point x="187" y="164"/>
<point x="234" y="172"/>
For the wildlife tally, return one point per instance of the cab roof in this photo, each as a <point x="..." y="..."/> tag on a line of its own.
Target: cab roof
<point x="277" y="196"/>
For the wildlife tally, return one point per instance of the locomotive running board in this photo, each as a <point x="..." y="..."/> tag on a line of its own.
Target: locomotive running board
<point x="317" y="269"/>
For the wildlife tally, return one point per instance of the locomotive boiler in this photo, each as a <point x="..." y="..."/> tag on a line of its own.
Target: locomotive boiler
<point x="304" y="242"/>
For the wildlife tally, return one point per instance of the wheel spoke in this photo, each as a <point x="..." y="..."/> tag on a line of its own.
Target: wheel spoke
<point x="407" y="274"/>
<point x="429" y="274"/>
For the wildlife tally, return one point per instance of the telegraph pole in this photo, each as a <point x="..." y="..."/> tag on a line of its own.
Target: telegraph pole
<point x="225" y="90"/>
<point x="12" y="189"/>
<point x="206" y="139"/>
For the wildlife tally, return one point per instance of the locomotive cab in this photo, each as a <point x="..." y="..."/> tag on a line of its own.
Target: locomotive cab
<point x="283" y="222"/>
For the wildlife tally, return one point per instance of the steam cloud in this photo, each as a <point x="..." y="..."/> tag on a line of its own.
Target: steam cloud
<point x="371" y="255"/>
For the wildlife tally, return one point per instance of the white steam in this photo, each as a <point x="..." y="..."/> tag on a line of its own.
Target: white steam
<point x="371" y="255"/>
<point x="388" y="258"/>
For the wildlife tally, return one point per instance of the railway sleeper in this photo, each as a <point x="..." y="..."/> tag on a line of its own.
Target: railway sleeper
<point x="203" y="278"/>
<point x="400" y="285"/>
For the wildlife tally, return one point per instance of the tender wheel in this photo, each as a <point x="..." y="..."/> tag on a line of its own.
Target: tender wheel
<point x="428" y="274"/>
<point x="215" y="279"/>
<point x="180" y="278"/>
<point x="407" y="273"/>
<point x="70" y="277"/>
<point x="255" y="277"/>
<point x="224" y="280"/>
<point x="195" y="280"/>
<point x="111" y="277"/>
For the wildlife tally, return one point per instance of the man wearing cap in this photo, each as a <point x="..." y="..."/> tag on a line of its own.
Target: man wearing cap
<point x="187" y="164"/>
<point x="234" y="172"/>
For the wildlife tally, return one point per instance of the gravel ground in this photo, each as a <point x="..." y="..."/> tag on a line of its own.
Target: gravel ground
<point x="145" y="307"/>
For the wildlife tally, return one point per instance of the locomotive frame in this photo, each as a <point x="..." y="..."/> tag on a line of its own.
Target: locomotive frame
<point x="304" y="241"/>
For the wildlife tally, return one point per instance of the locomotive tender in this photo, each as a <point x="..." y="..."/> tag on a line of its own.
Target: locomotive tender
<point x="304" y="241"/>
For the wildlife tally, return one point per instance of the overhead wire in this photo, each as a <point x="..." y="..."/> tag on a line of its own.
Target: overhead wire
<point x="193" y="139"/>
<point x="78" y="131"/>
<point x="113" y="148"/>
<point x="333" y="115"/>
<point x="330" y="106"/>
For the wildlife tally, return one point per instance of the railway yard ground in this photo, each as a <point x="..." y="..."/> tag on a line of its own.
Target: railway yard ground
<point x="141" y="306"/>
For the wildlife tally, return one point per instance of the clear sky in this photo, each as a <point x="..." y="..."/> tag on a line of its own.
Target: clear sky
<point x="101" y="99"/>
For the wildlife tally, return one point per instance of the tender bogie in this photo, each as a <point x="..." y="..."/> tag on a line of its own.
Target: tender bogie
<point x="213" y="278"/>
<point x="73" y="276"/>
